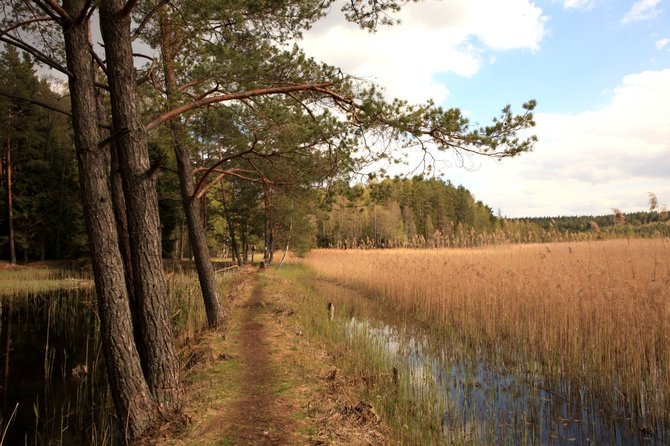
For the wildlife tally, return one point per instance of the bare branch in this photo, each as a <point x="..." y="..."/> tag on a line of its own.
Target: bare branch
<point x="237" y="173"/>
<point x="59" y="9"/>
<point x="49" y="11"/>
<point x="86" y="12"/>
<point x="36" y="102"/>
<point x="117" y="134"/>
<point x="24" y="23"/>
<point x="311" y="114"/>
<point x="147" y="17"/>
<point x="10" y="40"/>
<point x="210" y="169"/>
<point x="98" y="60"/>
<point x="127" y="9"/>
<point x="143" y="56"/>
<point x="236" y="96"/>
<point x="183" y="87"/>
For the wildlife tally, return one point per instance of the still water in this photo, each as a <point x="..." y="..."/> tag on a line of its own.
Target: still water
<point x="495" y="405"/>
<point x="52" y="387"/>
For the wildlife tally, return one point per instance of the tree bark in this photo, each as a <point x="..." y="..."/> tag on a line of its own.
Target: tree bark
<point x="231" y="228"/>
<point x="181" y="239"/>
<point x="244" y="236"/>
<point x="269" y="229"/>
<point x="121" y="218"/>
<point x="193" y="207"/>
<point x="131" y="394"/>
<point x="139" y="185"/>
<point x="288" y="243"/>
<point x="7" y="311"/>
<point x="7" y="160"/>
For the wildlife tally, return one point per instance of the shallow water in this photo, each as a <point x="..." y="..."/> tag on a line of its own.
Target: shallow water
<point x="52" y="384"/>
<point x="494" y="405"/>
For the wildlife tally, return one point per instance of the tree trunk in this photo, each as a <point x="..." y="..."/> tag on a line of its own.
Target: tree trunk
<point x="268" y="253"/>
<point x="181" y="239"/>
<point x="193" y="207"/>
<point x="121" y="218"/>
<point x="245" y="242"/>
<point x="288" y="243"/>
<point x="231" y="228"/>
<point x="8" y="189"/>
<point x="139" y="185"/>
<point x="132" y="398"/>
<point x="59" y="224"/>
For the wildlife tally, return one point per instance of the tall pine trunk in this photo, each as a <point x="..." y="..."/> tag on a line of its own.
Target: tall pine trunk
<point x="132" y="398"/>
<point x="7" y="161"/>
<point x="193" y="207"/>
<point x="139" y="185"/>
<point x="231" y="228"/>
<point x="121" y="218"/>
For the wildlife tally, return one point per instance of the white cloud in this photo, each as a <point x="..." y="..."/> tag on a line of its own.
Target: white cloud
<point x="433" y="37"/>
<point x="642" y="10"/>
<point x="578" y="4"/>
<point x="662" y="43"/>
<point x="588" y="162"/>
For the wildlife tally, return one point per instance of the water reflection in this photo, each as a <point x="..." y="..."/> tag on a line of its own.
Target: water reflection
<point x="52" y="371"/>
<point x="494" y="405"/>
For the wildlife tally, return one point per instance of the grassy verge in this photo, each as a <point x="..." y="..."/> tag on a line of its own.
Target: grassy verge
<point x="387" y="384"/>
<point x="299" y="398"/>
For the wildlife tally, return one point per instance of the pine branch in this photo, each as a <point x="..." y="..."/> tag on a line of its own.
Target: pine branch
<point x="37" y="54"/>
<point x="35" y="102"/>
<point x="235" y="96"/>
<point x="58" y="8"/>
<point x="127" y="9"/>
<point x="25" y="23"/>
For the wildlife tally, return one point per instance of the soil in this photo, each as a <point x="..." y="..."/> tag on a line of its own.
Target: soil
<point x="266" y="383"/>
<point x="260" y="417"/>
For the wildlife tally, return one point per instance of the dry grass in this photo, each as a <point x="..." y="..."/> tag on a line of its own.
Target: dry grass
<point x="597" y="313"/>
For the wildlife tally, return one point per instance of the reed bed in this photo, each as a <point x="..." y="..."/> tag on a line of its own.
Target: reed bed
<point x="49" y="318"/>
<point x="594" y="313"/>
<point x="26" y="281"/>
<point x="367" y="365"/>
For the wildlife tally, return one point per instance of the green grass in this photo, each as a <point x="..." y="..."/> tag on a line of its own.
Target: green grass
<point x="413" y="421"/>
<point x="67" y="299"/>
<point x="25" y="281"/>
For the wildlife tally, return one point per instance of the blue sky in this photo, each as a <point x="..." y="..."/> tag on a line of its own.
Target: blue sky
<point x="582" y="58"/>
<point x="599" y="69"/>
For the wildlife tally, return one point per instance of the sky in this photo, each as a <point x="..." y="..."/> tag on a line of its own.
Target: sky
<point x="599" y="70"/>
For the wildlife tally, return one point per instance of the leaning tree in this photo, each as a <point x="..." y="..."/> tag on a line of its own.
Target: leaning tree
<point x="216" y="53"/>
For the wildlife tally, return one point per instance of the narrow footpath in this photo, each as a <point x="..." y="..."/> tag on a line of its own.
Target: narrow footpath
<point x="265" y="382"/>
<point x="261" y="415"/>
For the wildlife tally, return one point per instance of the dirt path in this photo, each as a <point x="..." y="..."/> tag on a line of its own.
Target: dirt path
<point x="266" y="382"/>
<point x="260" y="417"/>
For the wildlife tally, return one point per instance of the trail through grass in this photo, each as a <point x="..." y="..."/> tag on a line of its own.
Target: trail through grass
<point x="267" y="382"/>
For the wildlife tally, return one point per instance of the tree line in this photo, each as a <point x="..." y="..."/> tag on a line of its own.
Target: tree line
<point x="431" y="213"/>
<point x="401" y="212"/>
<point x="229" y="122"/>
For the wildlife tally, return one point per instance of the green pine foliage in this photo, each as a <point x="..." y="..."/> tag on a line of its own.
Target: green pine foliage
<point x="48" y="219"/>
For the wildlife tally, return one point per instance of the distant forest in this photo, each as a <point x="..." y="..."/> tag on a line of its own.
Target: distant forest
<point x="42" y="207"/>
<point x="421" y="212"/>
